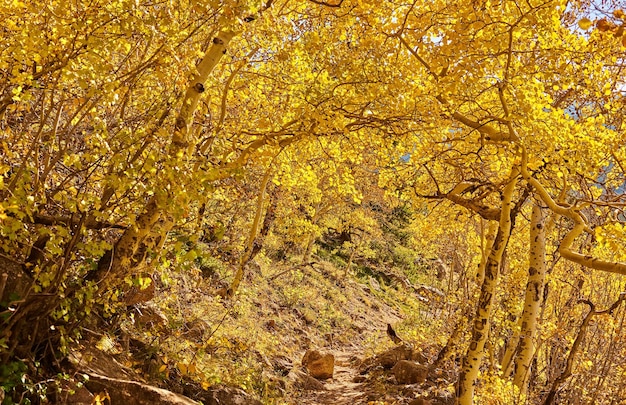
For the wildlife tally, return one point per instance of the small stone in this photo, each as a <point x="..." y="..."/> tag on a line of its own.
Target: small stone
<point x="311" y="384"/>
<point x="320" y="366"/>
<point x="305" y="382"/>
<point x="359" y="379"/>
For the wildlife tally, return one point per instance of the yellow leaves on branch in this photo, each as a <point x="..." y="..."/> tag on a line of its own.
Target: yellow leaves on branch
<point x="604" y="25"/>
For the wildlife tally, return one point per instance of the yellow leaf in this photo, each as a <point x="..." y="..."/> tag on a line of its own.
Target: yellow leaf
<point x="604" y="25"/>
<point x="162" y="368"/>
<point x="100" y="399"/>
<point x="585" y="23"/>
<point x="182" y="367"/>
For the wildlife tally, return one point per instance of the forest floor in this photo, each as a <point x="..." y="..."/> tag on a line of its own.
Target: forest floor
<point x="188" y="334"/>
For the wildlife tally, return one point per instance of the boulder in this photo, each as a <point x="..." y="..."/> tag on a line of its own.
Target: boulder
<point x="134" y="393"/>
<point x="409" y="372"/>
<point x="320" y="366"/>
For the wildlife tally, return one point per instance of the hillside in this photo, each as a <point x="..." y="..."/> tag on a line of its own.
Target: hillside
<point x="189" y="335"/>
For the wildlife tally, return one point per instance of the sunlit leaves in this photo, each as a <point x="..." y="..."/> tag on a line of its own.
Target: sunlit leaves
<point x="585" y="23"/>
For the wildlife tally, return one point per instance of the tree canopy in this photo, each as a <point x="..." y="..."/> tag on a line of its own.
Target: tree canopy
<point x="134" y="130"/>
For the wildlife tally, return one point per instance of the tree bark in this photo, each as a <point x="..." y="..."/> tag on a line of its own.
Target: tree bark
<point x="488" y="243"/>
<point x="480" y="328"/>
<point x="532" y="300"/>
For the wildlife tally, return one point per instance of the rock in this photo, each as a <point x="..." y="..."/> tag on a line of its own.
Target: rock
<point x="389" y="358"/>
<point x="320" y="366"/>
<point x="359" y="379"/>
<point x="303" y="381"/>
<point x="135" y="393"/>
<point x="90" y="360"/>
<point x="81" y="396"/>
<point x="409" y="372"/>
<point x="69" y="393"/>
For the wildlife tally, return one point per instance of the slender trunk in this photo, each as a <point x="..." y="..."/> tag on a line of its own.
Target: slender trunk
<point x="609" y="358"/>
<point x="532" y="300"/>
<point x="480" y="328"/>
<point x="567" y="372"/>
<point x="512" y="346"/>
<point x="246" y="257"/>
<point x="351" y="259"/>
<point x="309" y="249"/>
<point x="117" y="263"/>
<point x="534" y="291"/>
<point x="487" y="244"/>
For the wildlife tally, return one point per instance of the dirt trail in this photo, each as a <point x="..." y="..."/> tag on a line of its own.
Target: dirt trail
<point x="341" y="390"/>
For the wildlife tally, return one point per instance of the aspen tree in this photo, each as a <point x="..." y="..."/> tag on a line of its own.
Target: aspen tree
<point x="481" y="321"/>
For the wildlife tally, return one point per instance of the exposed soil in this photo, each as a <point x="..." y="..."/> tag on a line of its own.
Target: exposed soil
<point x="341" y="389"/>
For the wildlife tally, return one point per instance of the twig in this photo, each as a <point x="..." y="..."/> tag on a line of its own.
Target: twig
<point x="3" y="283"/>
<point x="275" y="276"/>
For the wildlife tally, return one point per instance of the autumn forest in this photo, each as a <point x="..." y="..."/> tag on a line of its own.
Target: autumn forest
<point x="313" y="202"/>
